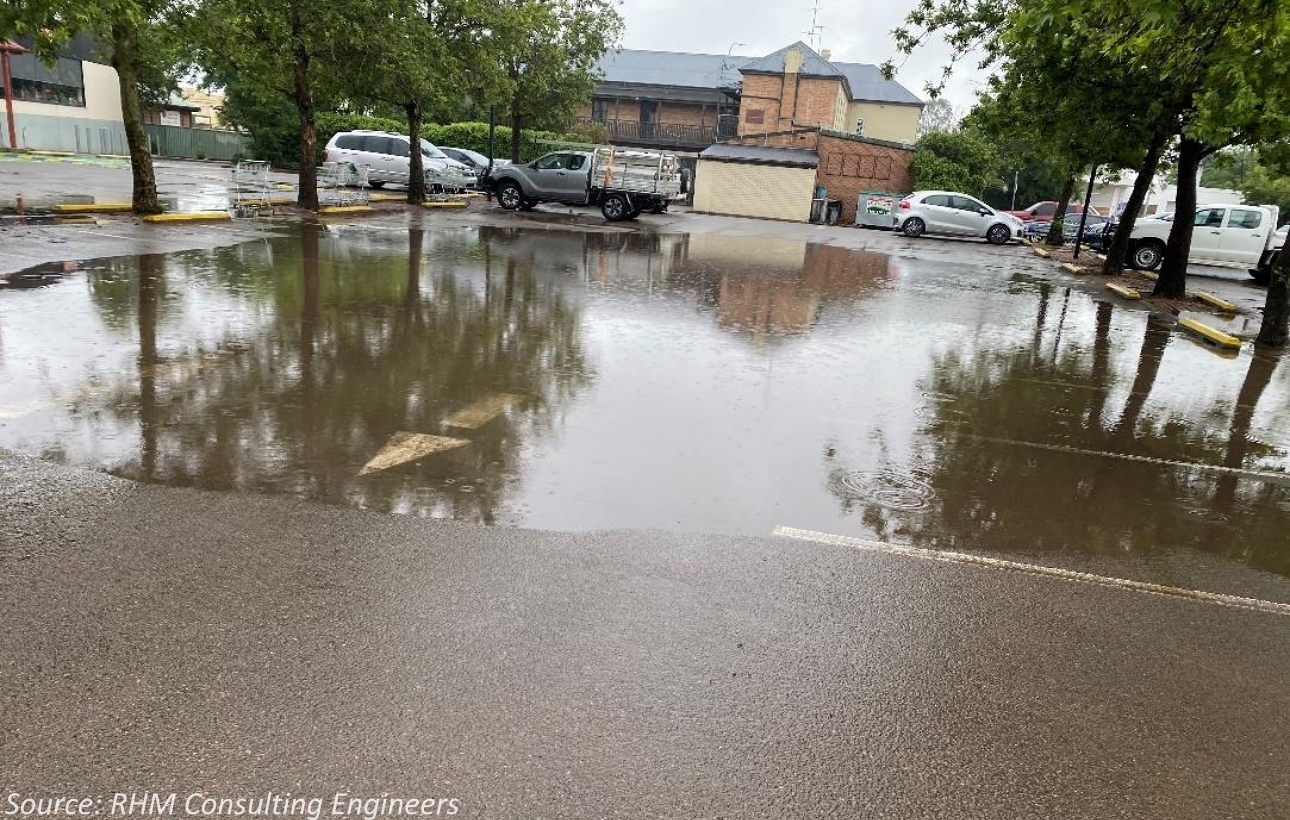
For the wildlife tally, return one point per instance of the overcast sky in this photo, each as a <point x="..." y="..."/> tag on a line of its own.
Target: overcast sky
<point x="858" y="31"/>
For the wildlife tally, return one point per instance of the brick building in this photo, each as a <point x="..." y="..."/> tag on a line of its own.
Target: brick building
<point x="687" y="102"/>
<point x="778" y="175"/>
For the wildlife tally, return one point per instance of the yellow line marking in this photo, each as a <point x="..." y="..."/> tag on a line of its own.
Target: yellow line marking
<point x="94" y="208"/>
<point x="345" y="209"/>
<point x="947" y="557"/>
<point x="1126" y="292"/>
<point x="1270" y="475"/>
<point x="1213" y="334"/>
<point x="197" y="216"/>
<point x="1218" y="302"/>
<point x="457" y="203"/>
<point x="481" y="411"/>
<point x="405" y="447"/>
<point x="386" y="198"/>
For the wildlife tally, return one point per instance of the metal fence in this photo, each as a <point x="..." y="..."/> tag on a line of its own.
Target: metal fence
<point x="196" y="143"/>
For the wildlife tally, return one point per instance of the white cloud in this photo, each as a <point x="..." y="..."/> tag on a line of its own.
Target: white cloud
<point x="859" y="32"/>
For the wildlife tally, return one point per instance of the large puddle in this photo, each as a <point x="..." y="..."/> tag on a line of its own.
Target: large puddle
<point x="578" y="380"/>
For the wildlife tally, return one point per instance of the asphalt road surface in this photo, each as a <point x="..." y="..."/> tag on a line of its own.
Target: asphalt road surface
<point x="178" y="641"/>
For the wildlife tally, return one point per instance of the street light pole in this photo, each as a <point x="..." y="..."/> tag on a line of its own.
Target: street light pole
<point x="7" y="48"/>
<point x="1015" y="176"/>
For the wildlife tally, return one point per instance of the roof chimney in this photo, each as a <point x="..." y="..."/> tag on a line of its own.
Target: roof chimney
<point x="827" y="54"/>
<point x="793" y="61"/>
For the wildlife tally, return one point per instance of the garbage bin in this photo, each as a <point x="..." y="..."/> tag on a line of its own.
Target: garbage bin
<point x="874" y="209"/>
<point x="817" y="210"/>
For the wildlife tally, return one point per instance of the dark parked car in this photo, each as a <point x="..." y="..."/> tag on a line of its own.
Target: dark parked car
<point x="1038" y="230"/>
<point x="1043" y="211"/>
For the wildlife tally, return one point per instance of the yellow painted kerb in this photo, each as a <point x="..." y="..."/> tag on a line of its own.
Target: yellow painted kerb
<point x="196" y="216"/>
<point x="1216" y="336"/>
<point x="1211" y="299"/>
<point x="94" y="208"/>
<point x="455" y="203"/>
<point x="345" y="209"/>
<point x="1127" y="293"/>
<point x="1072" y="267"/>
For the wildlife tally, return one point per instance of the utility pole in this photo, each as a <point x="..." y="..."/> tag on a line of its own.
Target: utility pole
<point x="1015" y="176"/>
<point x="6" y="48"/>
<point x="1083" y="217"/>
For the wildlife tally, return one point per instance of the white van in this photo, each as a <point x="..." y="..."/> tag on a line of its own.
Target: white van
<point x="388" y="159"/>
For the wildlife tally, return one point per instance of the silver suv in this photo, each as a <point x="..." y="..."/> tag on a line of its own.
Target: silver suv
<point x="389" y="160"/>
<point x="953" y="214"/>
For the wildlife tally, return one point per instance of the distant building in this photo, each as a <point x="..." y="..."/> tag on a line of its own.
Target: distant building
<point x="686" y="101"/>
<point x="1112" y="196"/>
<point x="75" y="105"/>
<point x="210" y="106"/>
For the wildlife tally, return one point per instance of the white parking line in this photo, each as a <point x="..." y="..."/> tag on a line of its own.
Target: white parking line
<point x="1267" y="475"/>
<point x="1201" y="596"/>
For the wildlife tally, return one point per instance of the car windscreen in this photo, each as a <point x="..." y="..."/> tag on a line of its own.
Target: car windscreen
<point x="430" y="150"/>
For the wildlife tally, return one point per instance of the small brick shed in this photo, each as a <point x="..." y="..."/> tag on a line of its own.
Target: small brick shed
<point x="844" y="164"/>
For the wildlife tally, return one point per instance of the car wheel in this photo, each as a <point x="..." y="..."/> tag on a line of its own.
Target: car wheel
<point x="998" y="235"/>
<point x="509" y="195"/>
<point x="913" y="227"/>
<point x="615" y="208"/>
<point x="1147" y="255"/>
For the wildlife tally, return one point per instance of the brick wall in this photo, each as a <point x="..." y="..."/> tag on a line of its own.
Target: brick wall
<point x="760" y="94"/>
<point x="817" y="103"/>
<point x="849" y="166"/>
<point x="787" y="100"/>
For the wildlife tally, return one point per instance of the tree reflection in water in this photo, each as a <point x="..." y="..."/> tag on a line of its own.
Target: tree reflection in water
<point x="990" y="493"/>
<point x="350" y="343"/>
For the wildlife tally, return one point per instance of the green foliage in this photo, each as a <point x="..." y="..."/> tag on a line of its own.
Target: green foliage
<point x="954" y="161"/>
<point x="547" y="53"/>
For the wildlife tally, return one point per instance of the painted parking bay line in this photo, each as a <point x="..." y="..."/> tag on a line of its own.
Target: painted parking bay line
<point x="1265" y="475"/>
<point x="481" y="411"/>
<point x="946" y="557"/>
<point x="403" y="447"/>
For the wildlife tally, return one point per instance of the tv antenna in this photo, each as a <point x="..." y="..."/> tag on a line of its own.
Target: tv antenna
<point x="814" y="33"/>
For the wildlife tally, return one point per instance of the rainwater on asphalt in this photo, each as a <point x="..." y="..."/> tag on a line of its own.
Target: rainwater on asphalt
<point x="572" y="379"/>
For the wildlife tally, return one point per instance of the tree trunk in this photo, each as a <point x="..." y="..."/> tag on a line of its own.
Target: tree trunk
<point x="1257" y="379"/>
<point x="152" y="267"/>
<point x="1276" y="311"/>
<point x="1055" y="234"/>
<point x="517" y="123"/>
<point x="1119" y="250"/>
<point x="416" y="171"/>
<point x="125" y="59"/>
<point x="1155" y="339"/>
<point x="1172" y="283"/>
<point x="307" y="196"/>
<point x="1101" y="366"/>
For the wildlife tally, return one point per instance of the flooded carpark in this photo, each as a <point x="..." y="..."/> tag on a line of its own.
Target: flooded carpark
<point x="560" y="378"/>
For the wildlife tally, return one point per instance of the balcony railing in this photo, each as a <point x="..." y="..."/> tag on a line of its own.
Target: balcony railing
<point x="661" y="133"/>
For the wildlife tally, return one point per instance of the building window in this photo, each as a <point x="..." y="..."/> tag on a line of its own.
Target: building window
<point x="755" y="116"/>
<point x="599" y="109"/>
<point x="33" y="81"/>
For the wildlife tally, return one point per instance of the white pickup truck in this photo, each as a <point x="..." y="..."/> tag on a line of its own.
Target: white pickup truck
<point x="1234" y="236"/>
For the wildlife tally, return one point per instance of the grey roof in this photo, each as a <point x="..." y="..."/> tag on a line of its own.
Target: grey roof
<point x="713" y="71"/>
<point x="671" y="68"/>
<point x="812" y="63"/>
<point x="867" y="83"/>
<point x="761" y="155"/>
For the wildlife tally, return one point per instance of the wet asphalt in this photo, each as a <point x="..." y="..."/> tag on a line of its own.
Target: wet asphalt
<point x="177" y="640"/>
<point x="183" y="640"/>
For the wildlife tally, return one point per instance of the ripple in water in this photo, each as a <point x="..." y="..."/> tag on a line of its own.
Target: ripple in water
<point x="888" y="488"/>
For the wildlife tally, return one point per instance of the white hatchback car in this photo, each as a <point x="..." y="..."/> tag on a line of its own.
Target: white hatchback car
<point x="388" y="160"/>
<point x="954" y="214"/>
